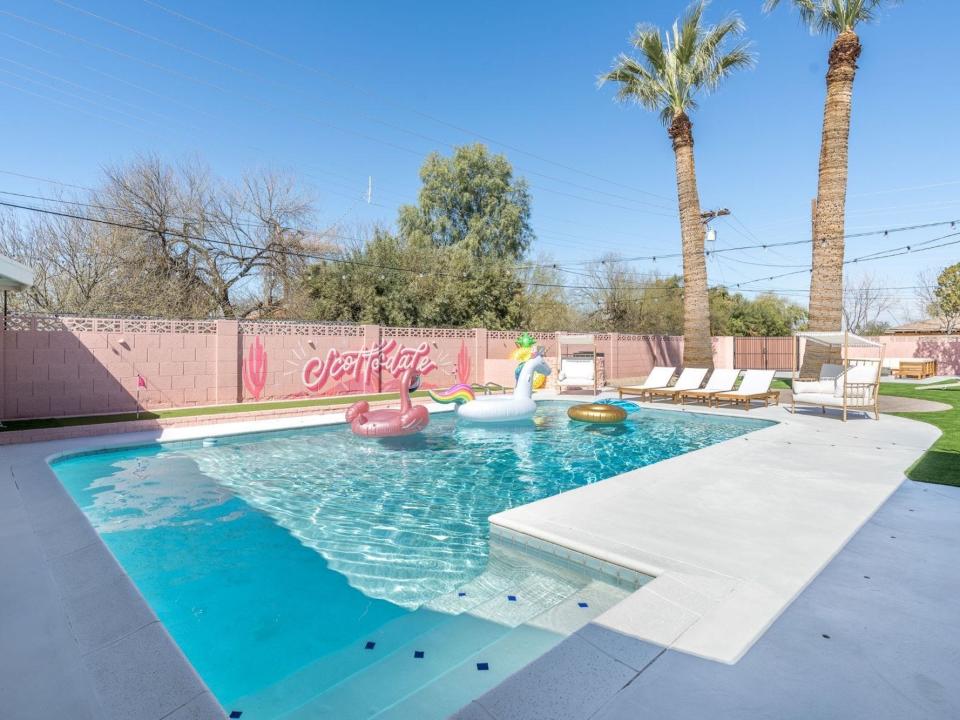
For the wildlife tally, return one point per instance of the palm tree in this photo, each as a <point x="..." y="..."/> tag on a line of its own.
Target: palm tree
<point x="839" y="18"/>
<point x="671" y="70"/>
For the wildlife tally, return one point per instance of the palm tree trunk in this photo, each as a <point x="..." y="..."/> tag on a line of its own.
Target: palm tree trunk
<point x="826" y="280"/>
<point x="697" y="345"/>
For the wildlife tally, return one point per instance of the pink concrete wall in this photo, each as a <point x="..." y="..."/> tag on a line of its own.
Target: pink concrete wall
<point x="945" y="349"/>
<point x="52" y="367"/>
<point x="59" y="372"/>
<point x="637" y="354"/>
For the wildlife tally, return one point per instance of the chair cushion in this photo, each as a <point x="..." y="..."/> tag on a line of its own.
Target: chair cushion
<point x="818" y="399"/>
<point x="814" y="386"/>
<point x="857" y="374"/>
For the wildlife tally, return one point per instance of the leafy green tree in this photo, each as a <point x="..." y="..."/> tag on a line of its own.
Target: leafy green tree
<point x="470" y="200"/>
<point x="669" y="73"/>
<point x="765" y="315"/>
<point x="390" y="280"/>
<point x="946" y="305"/>
<point x="453" y="261"/>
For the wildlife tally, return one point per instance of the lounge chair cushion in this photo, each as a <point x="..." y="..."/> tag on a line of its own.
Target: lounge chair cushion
<point x="659" y="377"/>
<point x="814" y="386"/>
<point x="755" y="382"/>
<point x="831" y="400"/>
<point x="690" y="379"/>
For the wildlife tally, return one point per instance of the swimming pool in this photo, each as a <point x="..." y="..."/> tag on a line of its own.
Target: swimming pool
<point x="310" y="573"/>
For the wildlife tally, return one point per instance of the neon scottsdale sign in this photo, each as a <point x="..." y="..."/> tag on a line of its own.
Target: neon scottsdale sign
<point x="366" y="364"/>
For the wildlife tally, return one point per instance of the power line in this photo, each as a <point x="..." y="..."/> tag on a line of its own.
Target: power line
<point x="305" y="116"/>
<point x="184" y="219"/>
<point x="349" y="83"/>
<point x="601" y="262"/>
<point x="879" y="255"/>
<point x="334" y="259"/>
<point x="766" y="246"/>
<point x="194" y="128"/>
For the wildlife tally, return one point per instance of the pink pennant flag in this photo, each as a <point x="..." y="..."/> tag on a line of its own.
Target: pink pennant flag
<point x="141" y="383"/>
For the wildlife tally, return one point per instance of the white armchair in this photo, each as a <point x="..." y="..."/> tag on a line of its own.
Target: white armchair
<point x="857" y="387"/>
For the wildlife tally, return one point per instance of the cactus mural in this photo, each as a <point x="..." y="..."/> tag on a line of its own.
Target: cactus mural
<point x="255" y="369"/>
<point x="463" y="364"/>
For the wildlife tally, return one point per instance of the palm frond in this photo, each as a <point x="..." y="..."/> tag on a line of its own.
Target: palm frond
<point x="738" y="58"/>
<point x="687" y="37"/>
<point x="672" y="67"/>
<point x="646" y="39"/>
<point x="636" y="83"/>
<point x="833" y="16"/>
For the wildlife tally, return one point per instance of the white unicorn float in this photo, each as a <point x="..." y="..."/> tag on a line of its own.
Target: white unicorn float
<point x="498" y="408"/>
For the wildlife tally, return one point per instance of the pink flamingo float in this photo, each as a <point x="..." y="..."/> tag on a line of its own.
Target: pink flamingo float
<point x="388" y="422"/>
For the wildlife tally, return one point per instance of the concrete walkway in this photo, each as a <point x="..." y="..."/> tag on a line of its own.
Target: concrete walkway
<point x="874" y="637"/>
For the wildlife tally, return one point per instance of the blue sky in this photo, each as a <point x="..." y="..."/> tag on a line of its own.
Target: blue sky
<point x="367" y="90"/>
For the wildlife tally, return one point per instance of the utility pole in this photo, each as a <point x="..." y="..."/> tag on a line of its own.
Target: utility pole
<point x="709" y="215"/>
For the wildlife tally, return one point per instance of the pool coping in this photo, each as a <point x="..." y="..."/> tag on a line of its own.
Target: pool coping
<point x="729" y="551"/>
<point x="95" y="649"/>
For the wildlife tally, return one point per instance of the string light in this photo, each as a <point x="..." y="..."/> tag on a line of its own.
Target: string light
<point x="879" y="255"/>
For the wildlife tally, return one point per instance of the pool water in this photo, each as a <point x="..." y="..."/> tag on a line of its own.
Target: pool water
<point x="311" y="573"/>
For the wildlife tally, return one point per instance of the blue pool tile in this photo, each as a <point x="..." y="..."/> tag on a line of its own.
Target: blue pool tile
<point x="370" y="645"/>
<point x="483" y="666"/>
<point x="512" y="598"/>
<point x="582" y="604"/>
<point x="236" y="713"/>
<point x="461" y="594"/>
<point x="418" y="654"/>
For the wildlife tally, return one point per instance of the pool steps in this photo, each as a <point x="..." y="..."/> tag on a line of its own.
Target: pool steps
<point x="395" y="685"/>
<point x="306" y="683"/>
<point x="507" y="655"/>
<point x="455" y="633"/>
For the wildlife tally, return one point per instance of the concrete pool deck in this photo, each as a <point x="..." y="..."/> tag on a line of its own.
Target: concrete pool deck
<point x="745" y="527"/>
<point x="733" y="532"/>
<point x="874" y="637"/>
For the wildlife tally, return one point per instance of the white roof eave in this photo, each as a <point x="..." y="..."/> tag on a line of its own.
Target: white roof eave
<point x="14" y="275"/>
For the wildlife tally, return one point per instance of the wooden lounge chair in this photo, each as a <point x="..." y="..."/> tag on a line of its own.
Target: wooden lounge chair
<point x="720" y="381"/>
<point x="755" y="386"/>
<point x="658" y="378"/>
<point x="690" y="379"/>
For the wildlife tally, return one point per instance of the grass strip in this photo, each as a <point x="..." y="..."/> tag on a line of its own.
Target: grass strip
<point x="941" y="463"/>
<point x="41" y="423"/>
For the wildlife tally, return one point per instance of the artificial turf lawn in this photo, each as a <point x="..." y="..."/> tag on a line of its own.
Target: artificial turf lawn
<point x="193" y="411"/>
<point x="941" y="463"/>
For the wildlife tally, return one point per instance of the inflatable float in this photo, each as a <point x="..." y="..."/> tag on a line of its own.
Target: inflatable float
<point x="526" y="347"/>
<point x="409" y="419"/>
<point x="604" y="412"/>
<point x="498" y="408"/>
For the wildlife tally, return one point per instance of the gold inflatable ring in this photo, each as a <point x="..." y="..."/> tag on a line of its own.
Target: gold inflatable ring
<point x="597" y="413"/>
